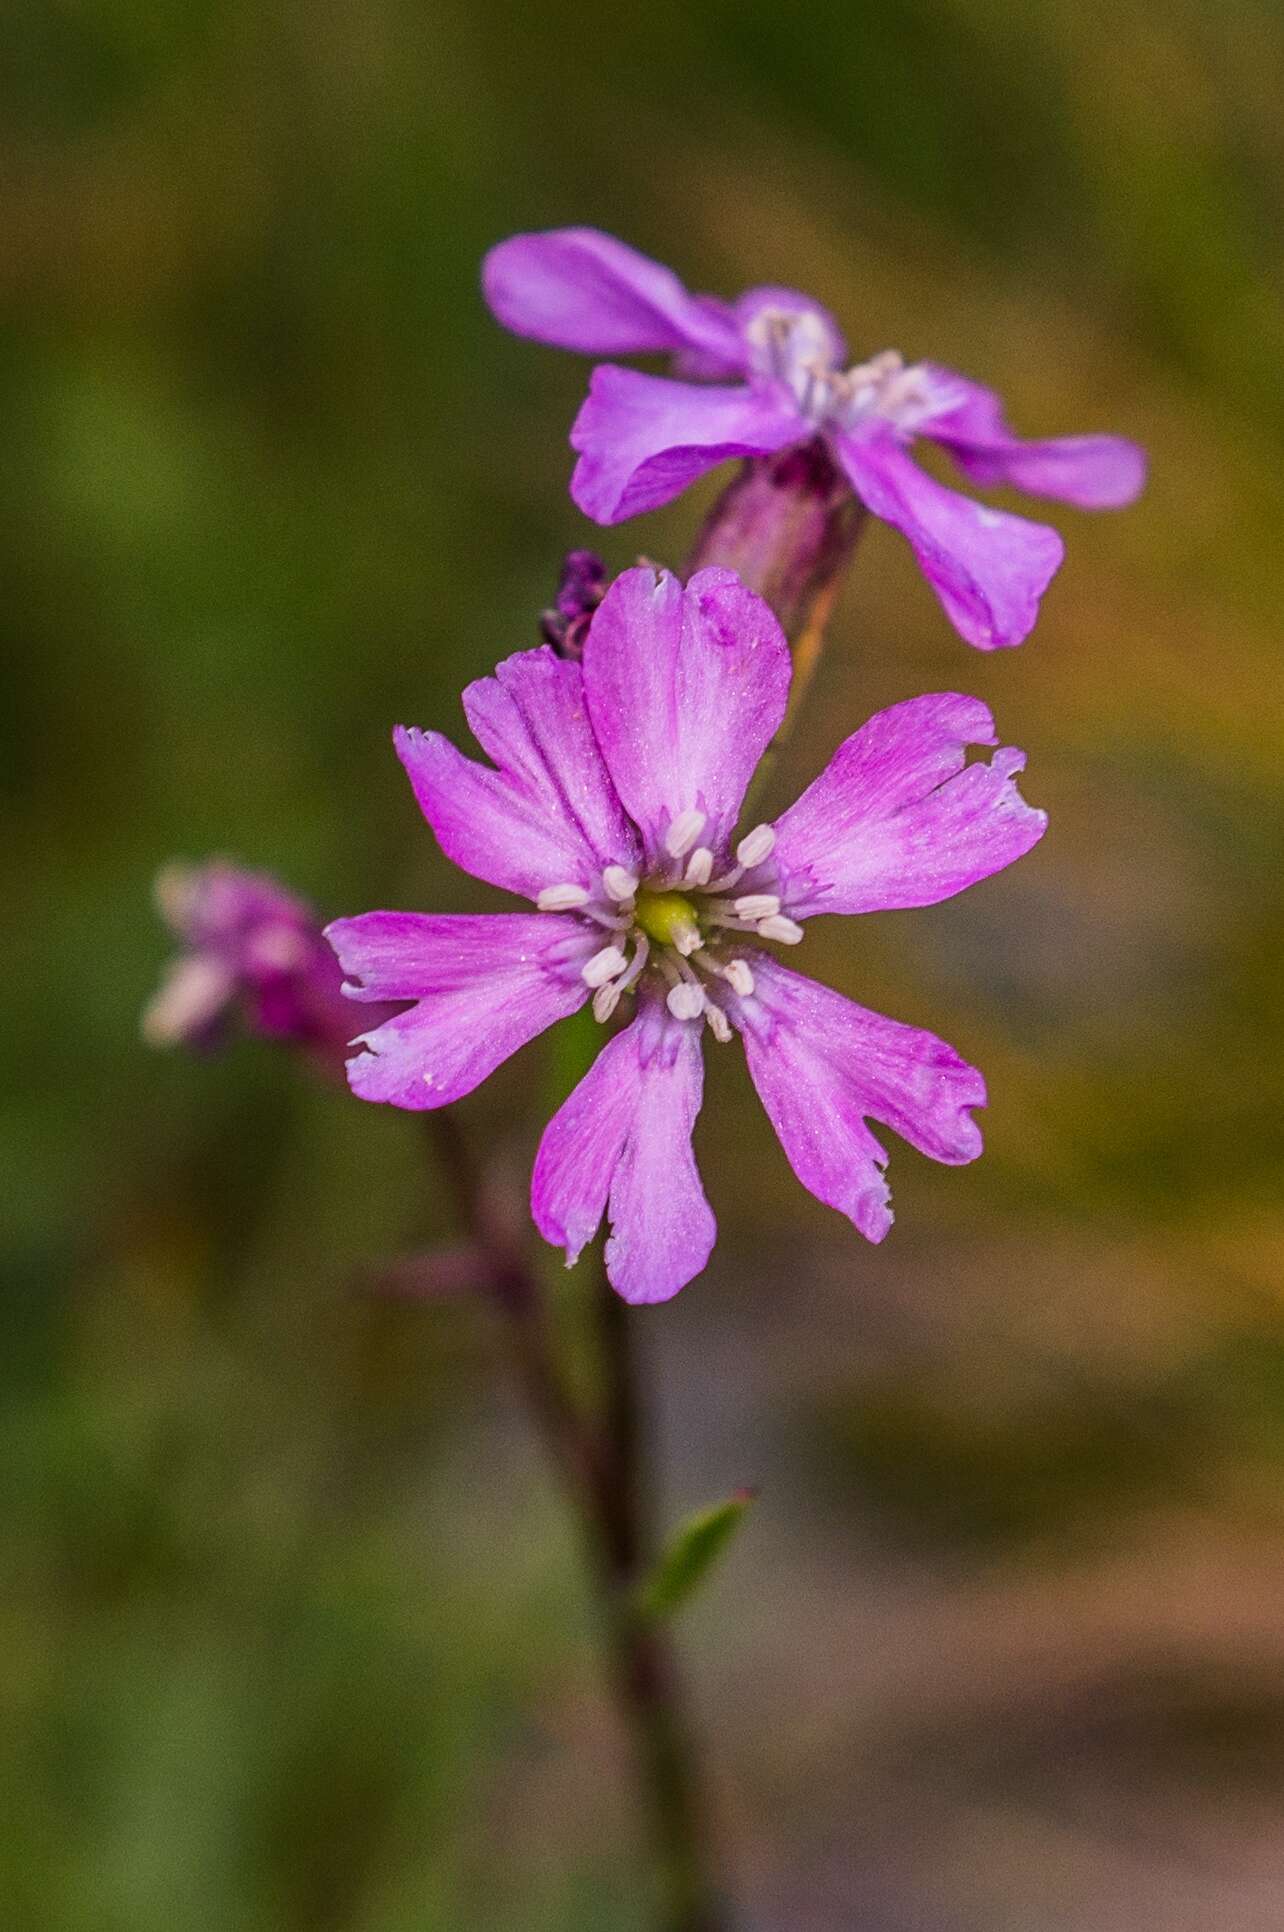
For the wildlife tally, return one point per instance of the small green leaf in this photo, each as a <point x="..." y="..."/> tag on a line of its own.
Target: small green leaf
<point x="693" y="1549"/>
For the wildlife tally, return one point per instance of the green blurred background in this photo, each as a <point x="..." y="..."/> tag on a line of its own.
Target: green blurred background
<point x="292" y="1630"/>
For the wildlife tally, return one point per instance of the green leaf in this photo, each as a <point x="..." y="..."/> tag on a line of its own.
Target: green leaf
<point x="693" y="1549"/>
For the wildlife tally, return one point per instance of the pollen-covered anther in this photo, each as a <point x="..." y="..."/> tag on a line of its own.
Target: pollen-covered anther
<point x="699" y="866"/>
<point x="787" y="931"/>
<point x="603" y="966"/>
<point x="688" y="940"/>
<point x="619" y="883"/>
<point x="756" y="905"/>
<point x="562" y="898"/>
<point x="685" y="1000"/>
<point x="683" y="832"/>
<point x="757" y="845"/>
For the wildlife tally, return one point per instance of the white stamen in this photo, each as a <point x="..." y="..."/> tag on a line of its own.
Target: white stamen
<point x="687" y="940"/>
<point x="606" y="999"/>
<point x="700" y="866"/>
<point x="603" y="966"/>
<point x="561" y="898"/>
<point x="757" y="845"/>
<point x="719" y="1025"/>
<point x="739" y="977"/>
<point x="757" y="905"/>
<point x="683" y="833"/>
<point x="620" y="883"/>
<point x="787" y="931"/>
<point x="685" y="1001"/>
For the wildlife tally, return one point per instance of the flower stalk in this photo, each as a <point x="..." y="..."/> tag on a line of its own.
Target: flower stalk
<point x="644" y="1665"/>
<point x="600" y="1462"/>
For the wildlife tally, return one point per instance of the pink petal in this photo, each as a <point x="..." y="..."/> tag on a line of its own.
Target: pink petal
<point x="484" y="987"/>
<point x="621" y="1145"/>
<point x="898" y="818"/>
<point x="823" y="1066"/>
<point x="989" y="569"/>
<point x="1094" y="472"/>
<point x="549" y="815"/>
<point x="686" y="689"/>
<point x="642" y="439"/>
<point x="581" y="289"/>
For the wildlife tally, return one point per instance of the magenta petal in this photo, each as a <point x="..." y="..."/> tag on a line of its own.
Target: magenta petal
<point x="642" y="439"/>
<point x="581" y="289"/>
<point x="988" y="568"/>
<point x="621" y="1145"/>
<point x="1093" y="472"/>
<point x="823" y="1066"/>
<point x="484" y="987"/>
<point x="686" y="689"/>
<point x="898" y="818"/>
<point x="549" y="815"/>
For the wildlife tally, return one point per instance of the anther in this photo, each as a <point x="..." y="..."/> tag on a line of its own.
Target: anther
<point x="603" y="966"/>
<point x="738" y="976"/>
<point x="687" y="940"/>
<point x="561" y="898"/>
<point x="719" y="1025"/>
<point x="606" y="999"/>
<point x="757" y="845"/>
<point x="787" y="931"/>
<point x="683" y="833"/>
<point x="699" y="866"/>
<point x="685" y="1001"/>
<point x="619" y="883"/>
<point x="756" y="905"/>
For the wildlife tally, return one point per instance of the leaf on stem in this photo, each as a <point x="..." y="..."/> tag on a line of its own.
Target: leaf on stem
<point x="692" y="1551"/>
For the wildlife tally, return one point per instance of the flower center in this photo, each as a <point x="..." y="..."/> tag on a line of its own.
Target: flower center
<point x="665" y="917"/>
<point x="793" y="346"/>
<point x="682" y="925"/>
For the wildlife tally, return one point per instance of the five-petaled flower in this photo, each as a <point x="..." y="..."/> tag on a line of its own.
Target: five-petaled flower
<point x="613" y="806"/>
<point x="767" y="372"/>
<point x="250" y="950"/>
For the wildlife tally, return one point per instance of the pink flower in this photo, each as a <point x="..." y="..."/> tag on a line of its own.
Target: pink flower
<point x="252" y="951"/>
<point x="612" y="806"/>
<point x="768" y="372"/>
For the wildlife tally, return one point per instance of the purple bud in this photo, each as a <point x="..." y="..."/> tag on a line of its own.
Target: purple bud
<point x="579" y="592"/>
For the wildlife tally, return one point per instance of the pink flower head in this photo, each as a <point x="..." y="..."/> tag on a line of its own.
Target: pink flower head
<point x="250" y="950"/>
<point x="612" y="806"/>
<point x="770" y="371"/>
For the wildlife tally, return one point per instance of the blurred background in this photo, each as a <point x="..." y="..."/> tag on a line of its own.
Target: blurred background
<point x="293" y="1632"/>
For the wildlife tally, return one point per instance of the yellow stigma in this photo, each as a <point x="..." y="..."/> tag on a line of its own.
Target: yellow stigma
<point x="666" y="917"/>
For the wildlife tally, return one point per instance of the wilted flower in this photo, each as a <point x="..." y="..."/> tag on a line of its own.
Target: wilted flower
<point x="770" y="371"/>
<point x="613" y="808"/>
<point x="251" y="951"/>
